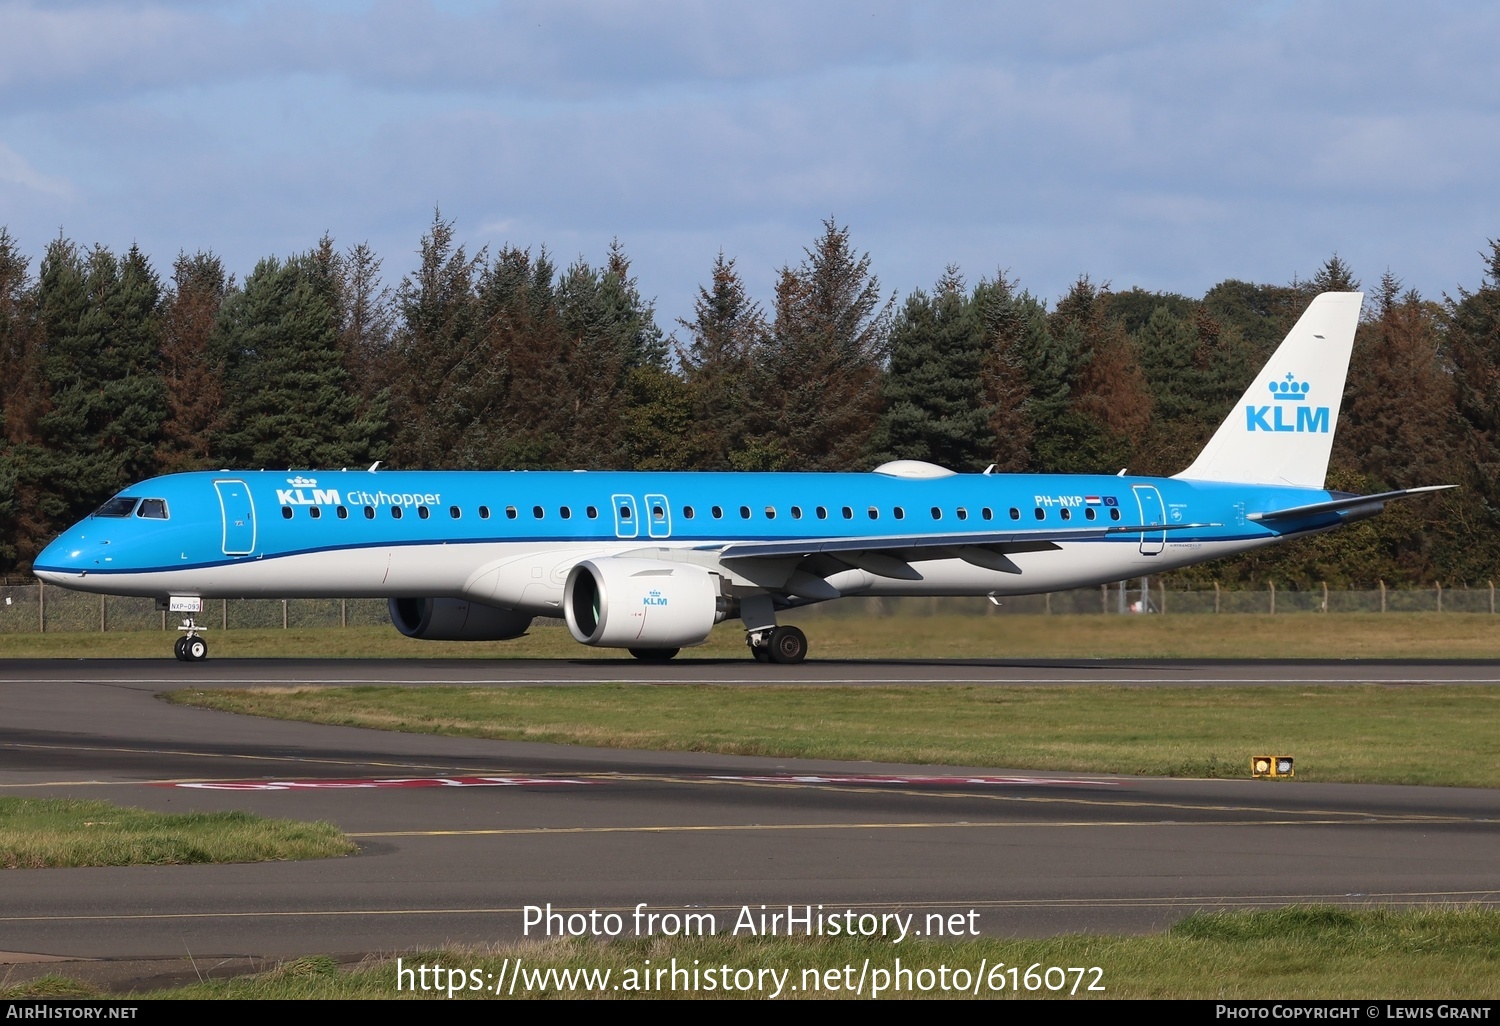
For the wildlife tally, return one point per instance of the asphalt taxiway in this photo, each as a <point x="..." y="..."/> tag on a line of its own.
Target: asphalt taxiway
<point x="457" y="835"/>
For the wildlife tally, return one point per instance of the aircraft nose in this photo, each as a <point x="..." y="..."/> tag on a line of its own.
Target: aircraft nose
<point x="68" y="555"/>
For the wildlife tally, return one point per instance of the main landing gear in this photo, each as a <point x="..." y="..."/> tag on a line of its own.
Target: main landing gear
<point x="768" y="642"/>
<point x="191" y="647"/>
<point x="777" y="645"/>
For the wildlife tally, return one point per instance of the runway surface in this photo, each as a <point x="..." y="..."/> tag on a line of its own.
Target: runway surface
<point x="457" y="836"/>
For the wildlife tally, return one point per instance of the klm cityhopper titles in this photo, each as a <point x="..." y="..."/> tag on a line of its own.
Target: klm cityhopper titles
<point x="650" y="562"/>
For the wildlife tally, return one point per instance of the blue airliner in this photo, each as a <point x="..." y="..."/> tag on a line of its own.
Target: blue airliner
<point x="650" y="562"/>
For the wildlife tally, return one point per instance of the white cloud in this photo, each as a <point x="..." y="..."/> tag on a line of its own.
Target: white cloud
<point x="14" y="170"/>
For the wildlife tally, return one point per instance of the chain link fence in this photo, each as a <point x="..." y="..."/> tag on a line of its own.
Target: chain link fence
<point x="35" y="608"/>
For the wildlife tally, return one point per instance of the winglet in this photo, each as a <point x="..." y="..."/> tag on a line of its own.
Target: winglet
<point x="1281" y="430"/>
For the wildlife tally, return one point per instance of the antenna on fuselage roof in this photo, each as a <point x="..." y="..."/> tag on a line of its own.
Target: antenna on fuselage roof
<point x="374" y="465"/>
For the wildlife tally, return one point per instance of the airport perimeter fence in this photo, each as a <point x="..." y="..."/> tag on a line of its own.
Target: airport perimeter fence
<point x="35" y="608"/>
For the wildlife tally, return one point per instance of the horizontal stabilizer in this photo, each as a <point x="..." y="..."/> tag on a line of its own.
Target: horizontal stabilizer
<point x="1347" y="504"/>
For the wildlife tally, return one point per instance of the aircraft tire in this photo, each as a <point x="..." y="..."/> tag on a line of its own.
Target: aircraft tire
<point x="788" y="645"/>
<point x="654" y="655"/>
<point x="179" y="649"/>
<point x="196" y="650"/>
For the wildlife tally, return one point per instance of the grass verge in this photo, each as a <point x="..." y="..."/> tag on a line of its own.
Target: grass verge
<point x="1299" y="952"/>
<point x="53" y="832"/>
<point x="1358" y="733"/>
<point x="1009" y="636"/>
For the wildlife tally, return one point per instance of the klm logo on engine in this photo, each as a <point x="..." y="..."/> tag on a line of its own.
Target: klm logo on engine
<point x="654" y="598"/>
<point x="1289" y="410"/>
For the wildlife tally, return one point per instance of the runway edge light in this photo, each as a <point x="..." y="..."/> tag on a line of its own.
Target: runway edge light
<point x="1273" y="766"/>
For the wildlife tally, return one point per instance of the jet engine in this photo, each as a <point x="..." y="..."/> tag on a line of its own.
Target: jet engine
<point x="621" y="602"/>
<point x="452" y="619"/>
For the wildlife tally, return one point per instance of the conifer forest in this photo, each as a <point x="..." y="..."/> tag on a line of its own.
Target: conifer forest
<point x="113" y="370"/>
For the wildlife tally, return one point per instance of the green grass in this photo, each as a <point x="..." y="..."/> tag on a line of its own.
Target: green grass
<point x="46" y="833"/>
<point x="1358" y="733"/>
<point x="1299" y="952"/>
<point x="1009" y="636"/>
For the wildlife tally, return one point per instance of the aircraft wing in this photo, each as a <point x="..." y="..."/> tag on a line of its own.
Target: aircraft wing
<point x="802" y="563"/>
<point x="1366" y="504"/>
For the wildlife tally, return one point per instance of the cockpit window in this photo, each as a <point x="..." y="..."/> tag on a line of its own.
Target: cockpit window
<point x="119" y="506"/>
<point x="153" y="509"/>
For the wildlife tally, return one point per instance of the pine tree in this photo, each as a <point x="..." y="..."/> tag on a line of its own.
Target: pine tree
<point x="105" y="401"/>
<point x="933" y="391"/>
<point x="429" y="364"/>
<point x="191" y="371"/>
<point x="288" y="394"/>
<point x="726" y="329"/>
<point x="1015" y="330"/>
<point x="815" y="397"/>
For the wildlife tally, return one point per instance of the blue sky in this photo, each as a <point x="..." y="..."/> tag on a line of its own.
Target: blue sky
<point x="1167" y="145"/>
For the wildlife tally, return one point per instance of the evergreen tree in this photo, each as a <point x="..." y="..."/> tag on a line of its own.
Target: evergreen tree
<point x="1015" y="385"/>
<point x="933" y="392"/>
<point x="815" y="397"/>
<point x="726" y="329"/>
<point x="287" y="390"/>
<point x="99" y="318"/>
<point x="1474" y="348"/>
<point x="430" y="361"/>
<point x="191" y="371"/>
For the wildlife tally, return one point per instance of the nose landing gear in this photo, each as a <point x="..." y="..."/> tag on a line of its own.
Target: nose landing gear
<point x="191" y="647"/>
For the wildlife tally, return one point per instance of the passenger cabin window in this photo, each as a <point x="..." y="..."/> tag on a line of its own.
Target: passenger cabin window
<point x="315" y="512"/>
<point x="343" y="512"/>
<point x="624" y="512"/>
<point x="1067" y="514"/>
<point x="874" y="513"/>
<point x="153" y="509"/>
<point x="567" y="512"/>
<point x="484" y="512"/>
<point x="718" y="512"/>
<point x="395" y="512"/>
<point x="796" y="512"/>
<point x="687" y="512"/>
<point x="423" y="512"/>
<point x="987" y="513"/>
<point x="1089" y="513"/>
<point x="537" y="512"/>
<point x="937" y="514"/>
<point x="770" y="512"/>
<point x="1015" y="514"/>
<point x="286" y="512"/>
<point x="592" y="512"/>
<point x="900" y="513"/>
<point x="1114" y="513"/>
<point x="1041" y="514"/>
<point x="822" y="512"/>
<point x="848" y="513"/>
<point x="658" y="512"/>
<point x="454" y="512"/>
<point x="369" y="512"/>
<point x="744" y="512"/>
<point x="963" y="513"/>
<point x="119" y="506"/>
<point x="510" y="512"/>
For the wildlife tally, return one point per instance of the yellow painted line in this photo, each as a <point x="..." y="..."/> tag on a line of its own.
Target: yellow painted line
<point x="934" y="825"/>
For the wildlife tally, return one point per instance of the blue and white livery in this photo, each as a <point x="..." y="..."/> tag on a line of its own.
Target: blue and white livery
<point x="652" y="561"/>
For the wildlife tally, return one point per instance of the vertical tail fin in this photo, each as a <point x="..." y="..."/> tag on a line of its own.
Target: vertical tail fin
<point x="1281" y="431"/>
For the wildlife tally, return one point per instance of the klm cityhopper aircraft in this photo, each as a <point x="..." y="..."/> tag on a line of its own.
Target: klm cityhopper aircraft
<point x="651" y="562"/>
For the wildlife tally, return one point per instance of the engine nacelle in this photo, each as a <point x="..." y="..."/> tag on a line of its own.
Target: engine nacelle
<point x="451" y="619"/>
<point x="620" y="602"/>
